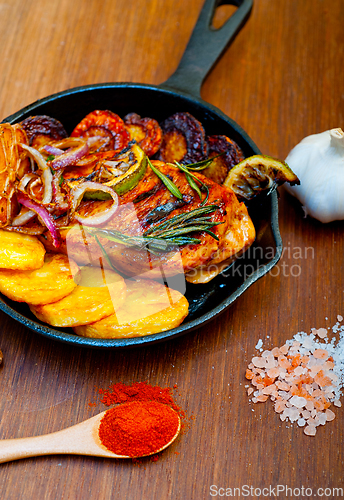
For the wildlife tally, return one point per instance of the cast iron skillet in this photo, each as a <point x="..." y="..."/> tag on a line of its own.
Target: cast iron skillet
<point x="181" y="92"/>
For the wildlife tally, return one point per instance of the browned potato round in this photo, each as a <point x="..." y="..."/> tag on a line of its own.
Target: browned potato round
<point x="49" y="283"/>
<point x="20" y="251"/>
<point x="98" y="294"/>
<point x="149" y="308"/>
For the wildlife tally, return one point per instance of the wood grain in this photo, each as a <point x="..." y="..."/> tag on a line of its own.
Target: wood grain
<point x="281" y="79"/>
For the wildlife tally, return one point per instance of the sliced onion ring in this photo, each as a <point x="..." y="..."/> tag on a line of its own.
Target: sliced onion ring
<point x="47" y="175"/>
<point x="44" y="216"/>
<point x="24" y="181"/>
<point x="95" y="220"/>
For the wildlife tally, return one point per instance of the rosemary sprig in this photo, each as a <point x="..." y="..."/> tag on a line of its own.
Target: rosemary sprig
<point x="181" y="219"/>
<point x="190" y="176"/>
<point x="162" y="237"/>
<point x="201" y="165"/>
<point x="168" y="183"/>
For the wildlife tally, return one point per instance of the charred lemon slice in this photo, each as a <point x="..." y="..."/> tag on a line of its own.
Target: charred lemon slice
<point x="258" y="173"/>
<point x="121" y="172"/>
<point x="129" y="167"/>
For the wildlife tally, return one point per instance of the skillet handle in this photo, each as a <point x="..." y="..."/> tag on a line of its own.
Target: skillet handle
<point x="206" y="45"/>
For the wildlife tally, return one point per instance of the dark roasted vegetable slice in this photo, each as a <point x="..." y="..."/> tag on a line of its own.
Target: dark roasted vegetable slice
<point x="41" y="129"/>
<point x="183" y="139"/>
<point x="227" y="154"/>
<point x="146" y="132"/>
<point x="107" y="124"/>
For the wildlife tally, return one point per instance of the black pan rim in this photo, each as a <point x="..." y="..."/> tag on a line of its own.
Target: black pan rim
<point x="133" y="342"/>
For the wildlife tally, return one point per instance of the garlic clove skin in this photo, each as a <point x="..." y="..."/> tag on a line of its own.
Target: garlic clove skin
<point x="318" y="161"/>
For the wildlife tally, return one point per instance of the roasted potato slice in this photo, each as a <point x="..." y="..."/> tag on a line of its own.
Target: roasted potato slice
<point x="99" y="293"/>
<point x="183" y="139"/>
<point x="150" y="307"/>
<point x="50" y="283"/>
<point x="20" y="251"/>
<point x="146" y="132"/>
<point x="230" y="155"/>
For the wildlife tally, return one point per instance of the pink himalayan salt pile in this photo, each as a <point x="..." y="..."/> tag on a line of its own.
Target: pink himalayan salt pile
<point x="302" y="378"/>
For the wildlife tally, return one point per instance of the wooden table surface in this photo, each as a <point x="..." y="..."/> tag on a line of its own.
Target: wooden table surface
<point x="281" y="80"/>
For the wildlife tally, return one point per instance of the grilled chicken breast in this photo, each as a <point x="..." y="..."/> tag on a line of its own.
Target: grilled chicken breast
<point x="149" y="203"/>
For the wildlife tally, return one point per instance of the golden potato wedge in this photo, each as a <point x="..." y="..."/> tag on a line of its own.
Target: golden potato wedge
<point x="50" y="283"/>
<point x="149" y="307"/>
<point x="20" y="251"/>
<point x="98" y="294"/>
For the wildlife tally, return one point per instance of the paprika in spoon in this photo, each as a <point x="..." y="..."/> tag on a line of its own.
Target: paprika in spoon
<point x="131" y="430"/>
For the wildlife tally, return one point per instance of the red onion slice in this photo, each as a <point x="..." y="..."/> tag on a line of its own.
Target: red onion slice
<point x="70" y="157"/>
<point x="44" y="216"/>
<point x="52" y="150"/>
<point x="95" y="220"/>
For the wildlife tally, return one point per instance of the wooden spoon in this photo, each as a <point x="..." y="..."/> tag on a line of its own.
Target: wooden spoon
<point x="80" y="439"/>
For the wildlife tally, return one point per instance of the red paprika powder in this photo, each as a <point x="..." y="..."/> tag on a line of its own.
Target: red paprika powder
<point x="138" y="391"/>
<point x="138" y="428"/>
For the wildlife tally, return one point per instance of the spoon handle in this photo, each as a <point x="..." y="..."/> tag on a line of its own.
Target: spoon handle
<point x="80" y="439"/>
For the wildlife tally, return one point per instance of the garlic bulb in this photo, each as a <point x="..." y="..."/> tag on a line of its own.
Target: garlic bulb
<point x="318" y="161"/>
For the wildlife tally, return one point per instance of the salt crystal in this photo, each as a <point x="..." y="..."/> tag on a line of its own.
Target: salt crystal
<point x="282" y="385"/>
<point x="275" y="352"/>
<point x="310" y="430"/>
<point x="269" y="389"/>
<point x="309" y="405"/>
<point x="284" y="395"/>
<point x="308" y="342"/>
<point x="315" y="369"/>
<point x="339" y="318"/>
<point x="330" y="415"/>
<point x="306" y="414"/>
<point x="266" y="354"/>
<point x="337" y="403"/>
<point x="321" y="332"/>
<point x="259" y="344"/>
<point x="258" y="362"/>
<point x="301" y="422"/>
<point x="270" y="363"/>
<point x="294" y="414"/>
<point x="320" y="354"/>
<point x="284" y="349"/>
<point x="273" y="372"/>
<point x="322" y="418"/>
<point x="297" y="401"/>
<point x="262" y="398"/>
<point x="299" y="371"/>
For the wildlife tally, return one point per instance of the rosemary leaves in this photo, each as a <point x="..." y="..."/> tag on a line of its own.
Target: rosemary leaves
<point x="166" y="235"/>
